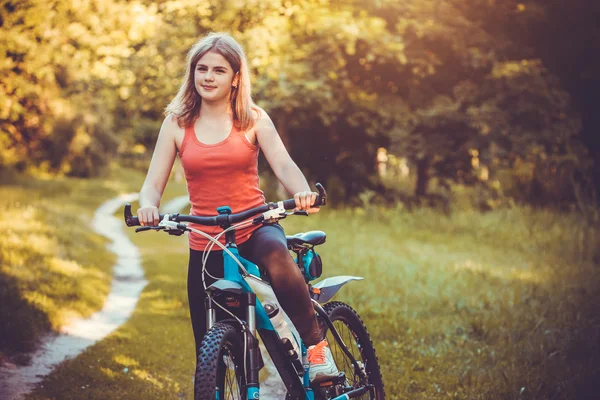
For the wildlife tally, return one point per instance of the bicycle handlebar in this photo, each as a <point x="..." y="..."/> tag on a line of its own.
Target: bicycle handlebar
<point x="221" y="219"/>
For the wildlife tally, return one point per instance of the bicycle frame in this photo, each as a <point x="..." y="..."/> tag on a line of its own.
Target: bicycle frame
<point x="257" y="321"/>
<point x="294" y="372"/>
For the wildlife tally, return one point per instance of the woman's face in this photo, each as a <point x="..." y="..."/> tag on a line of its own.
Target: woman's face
<point x="213" y="77"/>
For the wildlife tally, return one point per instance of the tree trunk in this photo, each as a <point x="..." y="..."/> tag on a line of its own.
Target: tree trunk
<point x="422" y="177"/>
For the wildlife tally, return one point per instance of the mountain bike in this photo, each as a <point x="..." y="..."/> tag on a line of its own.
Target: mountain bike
<point x="229" y="357"/>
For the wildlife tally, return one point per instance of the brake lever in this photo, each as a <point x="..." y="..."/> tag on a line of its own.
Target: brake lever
<point x="147" y="228"/>
<point x="172" y="227"/>
<point x="299" y="212"/>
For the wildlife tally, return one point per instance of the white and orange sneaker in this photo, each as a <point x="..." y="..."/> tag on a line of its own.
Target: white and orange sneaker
<point x="322" y="365"/>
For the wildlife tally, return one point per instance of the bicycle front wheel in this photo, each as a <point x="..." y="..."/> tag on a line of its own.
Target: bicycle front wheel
<point x="220" y="367"/>
<point x="354" y="334"/>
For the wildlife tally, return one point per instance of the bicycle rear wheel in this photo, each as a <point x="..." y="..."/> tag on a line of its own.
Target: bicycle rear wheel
<point x="220" y="365"/>
<point x="356" y="337"/>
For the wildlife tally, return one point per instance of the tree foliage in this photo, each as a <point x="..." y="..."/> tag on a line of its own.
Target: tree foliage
<point x="440" y="82"/>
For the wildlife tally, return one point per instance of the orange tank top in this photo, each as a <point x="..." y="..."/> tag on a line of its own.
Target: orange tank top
<point x="220" y="174"/>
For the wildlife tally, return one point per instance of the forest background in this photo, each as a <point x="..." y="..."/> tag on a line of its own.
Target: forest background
<point x="498" y="94"/>
<point x="448" y="129"/>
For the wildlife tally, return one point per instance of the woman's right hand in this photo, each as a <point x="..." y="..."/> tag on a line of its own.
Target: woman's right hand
<point x="148" y="216"/>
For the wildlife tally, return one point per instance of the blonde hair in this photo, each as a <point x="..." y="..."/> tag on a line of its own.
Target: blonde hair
<point x="186" y="104"/>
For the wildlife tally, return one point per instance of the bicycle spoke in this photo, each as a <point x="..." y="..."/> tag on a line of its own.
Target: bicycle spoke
<point x="351" y="341"/>
<point x="347" y="364"/>
<point x="231" y="389"/>
<point x="356" y="351"/>
<point x="340" y="357"/>
<point x="358" y="346"/>
<point x="229" y="384"/>
<point x="354" y="347"/>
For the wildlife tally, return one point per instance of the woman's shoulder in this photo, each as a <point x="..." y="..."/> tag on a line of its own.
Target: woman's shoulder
<point x="172" y="121"/>
<point x="172" y="130"/>
<point x="171" y="124"/>
<point x="258" y="113"/>
<point x="261" y="118"/>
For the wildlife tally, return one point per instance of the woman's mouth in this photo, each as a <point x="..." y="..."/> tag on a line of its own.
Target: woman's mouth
<point x="206" y="87"/>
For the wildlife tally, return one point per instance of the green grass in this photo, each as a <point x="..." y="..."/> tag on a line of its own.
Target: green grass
<point x="151" y="355"/>
<point x="499" y="305"/>
<point x="496" y="305"/>
<point x="52" y="266"/>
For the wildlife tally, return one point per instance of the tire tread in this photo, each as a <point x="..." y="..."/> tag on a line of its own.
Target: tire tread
<point x="208" y="359"/>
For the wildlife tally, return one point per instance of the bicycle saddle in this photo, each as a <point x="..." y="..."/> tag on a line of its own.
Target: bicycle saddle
<point x="313" y="237"/>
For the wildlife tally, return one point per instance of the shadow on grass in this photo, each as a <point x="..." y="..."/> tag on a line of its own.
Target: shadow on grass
<point x="21" y="323"/>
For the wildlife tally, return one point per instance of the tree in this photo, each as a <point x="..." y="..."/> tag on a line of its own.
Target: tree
<point x="528" y="121"/>
<point x="437" y="81"/>
<point x="60" y="68"/>
<point x="565" y="36"/>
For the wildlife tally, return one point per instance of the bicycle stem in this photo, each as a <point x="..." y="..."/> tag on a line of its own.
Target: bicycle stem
<point x="338" y="338"/>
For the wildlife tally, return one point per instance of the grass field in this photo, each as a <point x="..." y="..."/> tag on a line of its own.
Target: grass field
<point x="500" y="305"/>
<point x="52" y="266"/>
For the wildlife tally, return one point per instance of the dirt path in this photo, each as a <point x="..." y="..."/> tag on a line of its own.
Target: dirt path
<point x="272" y="387"/>
<point x="126" y="287"/>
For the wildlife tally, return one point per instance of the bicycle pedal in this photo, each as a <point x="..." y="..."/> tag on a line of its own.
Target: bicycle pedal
<point x="338" y="380"/>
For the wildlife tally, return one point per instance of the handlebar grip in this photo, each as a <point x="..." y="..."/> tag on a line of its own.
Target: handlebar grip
<point x="321" y="199"/>
<point x="289" y="204"/>
<point x="130" y="220"/>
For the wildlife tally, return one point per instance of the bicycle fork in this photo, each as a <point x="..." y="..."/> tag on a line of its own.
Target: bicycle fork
<point x="252" y="355"/>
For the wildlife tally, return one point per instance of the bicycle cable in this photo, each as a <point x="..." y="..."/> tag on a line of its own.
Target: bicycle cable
<point x="209" y="246"/>
<point x="208" y="249"/>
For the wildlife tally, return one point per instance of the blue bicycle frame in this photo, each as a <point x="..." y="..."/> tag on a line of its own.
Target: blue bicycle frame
<point x="294" y="371"/>
<point x="234" y="282"/>
<point x="257" y="321"/>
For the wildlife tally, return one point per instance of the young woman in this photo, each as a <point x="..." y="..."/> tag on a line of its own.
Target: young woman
<point x="218" y="131"/>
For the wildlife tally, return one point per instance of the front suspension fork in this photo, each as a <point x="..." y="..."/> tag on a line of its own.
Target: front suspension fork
<point x="253" y="363"/>
<point x="252" y="366"/>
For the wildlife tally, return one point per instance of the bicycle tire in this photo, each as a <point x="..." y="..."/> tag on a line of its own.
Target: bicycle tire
<point x="221" y="343"/>
<point x="356" y="337"/>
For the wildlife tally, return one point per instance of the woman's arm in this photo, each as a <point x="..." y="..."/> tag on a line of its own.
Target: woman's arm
<point x="158" y="172"/>
<point x="281" y="163"/>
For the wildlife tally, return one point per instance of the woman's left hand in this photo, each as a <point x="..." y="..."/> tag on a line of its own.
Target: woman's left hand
<point x="304" y="201"/>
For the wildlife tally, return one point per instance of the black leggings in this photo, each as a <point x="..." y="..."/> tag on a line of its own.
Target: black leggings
<point x="267" y="248"/>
